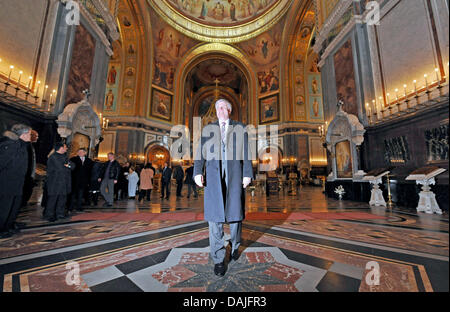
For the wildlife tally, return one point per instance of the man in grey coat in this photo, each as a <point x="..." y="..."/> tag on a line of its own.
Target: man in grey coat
<point x="228" y="171"/>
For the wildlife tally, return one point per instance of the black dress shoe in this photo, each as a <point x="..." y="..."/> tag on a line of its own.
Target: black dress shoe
<point x="235" y="255"/>
<point x="219" y="269"/>
<point x="5" y="234"/>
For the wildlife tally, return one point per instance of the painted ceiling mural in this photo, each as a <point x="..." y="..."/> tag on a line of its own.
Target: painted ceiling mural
<point x="222" y="12"/>
<point x="226" y="21"/>
<point x="264" y="53"/>
<point x="169" y="47"/>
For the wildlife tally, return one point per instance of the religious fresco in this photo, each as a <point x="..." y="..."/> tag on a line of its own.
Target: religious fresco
<point x="112" y="86"/>
<point x="130" y="50"/>
<point x="269" y="108"/>
<point x="344" y="160"/>
<point x="264" y="53"/>
<point x="169" y="46"/>
<point x="81" y="65"/>
<point x="345" y="78"/>
<point x="315" y="107"/>
<point x="314" y="87"/>
<point x="222" y="12"/>
<point x="303" y="64"/>
<point x="161" y="105"/>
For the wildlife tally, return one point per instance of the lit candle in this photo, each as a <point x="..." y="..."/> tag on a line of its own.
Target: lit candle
<point x="396" y="94"/>
<point x="50" y="100"/>
<point x="107" y="122"/>
<point x="37" y="90"/>
<point x="10" y="72"/>
<point x="45" y="92"/>
<point x="437" y="76"/>
<point x="415" y="86"/>
<point x="368" y="109"/>
<point x="29" y="84"/>
<point x="20" y="77"/>
<point x="100" y="117"/>
<point x="387" y="95"/>
<point x="381" y="102"/>
<point x="54" y="99"/>
<point x="426" y="81"/>
<point x="404" y="89"/>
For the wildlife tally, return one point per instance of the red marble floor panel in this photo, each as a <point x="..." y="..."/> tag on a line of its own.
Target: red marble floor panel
<point x="173" y="275"/>
<point x="194" y="258"/>
<point x="284" y="272"/>
<point x="259" y="257"/>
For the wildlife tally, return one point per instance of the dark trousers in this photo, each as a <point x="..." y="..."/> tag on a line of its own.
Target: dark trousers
<point x="93" y="197"/>
<point x="27" y="190"/>
<point x="146" y="193"/>
<point x="9" y="209"/>
<point x="165" y="188"/>
<point x="190" y="188"/>
<point x="77" y="198"/>
<point x="55" y="206"/>
<point x="179" y="187"/>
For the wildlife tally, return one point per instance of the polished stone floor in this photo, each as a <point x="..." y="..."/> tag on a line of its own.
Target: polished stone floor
<point x="303" y="243"/>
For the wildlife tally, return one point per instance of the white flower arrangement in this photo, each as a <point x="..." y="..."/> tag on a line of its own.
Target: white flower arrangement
<point x="339" y="190"/>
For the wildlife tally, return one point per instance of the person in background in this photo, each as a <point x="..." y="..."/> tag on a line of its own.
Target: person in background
<point x="122" y="183"/>
<point x="94" y="184"/>
<point x="59" y="182"/>
<point x="13" y="168"/>
<point x="146" y="185"/>
<point x="109" y="178"/>
<point x="190" y="182"/>
<point x="81" y="177"/>
<point x="31" y="170"/>
<point x="178" y="175"/>
<point x="133" y="179"/>
<point x="165" y="180"/>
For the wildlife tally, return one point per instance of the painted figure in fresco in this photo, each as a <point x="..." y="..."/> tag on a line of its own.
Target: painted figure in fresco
<point x="263" y="86"/>
<point x="160" y="37"/>
<point x="112" y="76"/>
<point x="316" y="108"/>
<point x="219" y="11"/>
<point x="264" y="48"/>
<point x="169" y="43"/>
<point x="233" y="12"/>
<point x="299" y="100"/>
<point x="178" y="48"/>
<point x="157" y="71"/>
<point x="204" y="10"/>
<point x="314" y="67"/>
<point x="342" y="157"/>
<point x="162" y="108"/>
<point x="126" y="22"/>
<point x="109" y="100"/>
<point x="274" y="85"/>
<point x="131" y="49"/>
<point x="268" y="113"/>
<point x="315" y="86"/>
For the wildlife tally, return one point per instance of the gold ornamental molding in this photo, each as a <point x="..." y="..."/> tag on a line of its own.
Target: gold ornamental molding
<point x="222" y="34"/>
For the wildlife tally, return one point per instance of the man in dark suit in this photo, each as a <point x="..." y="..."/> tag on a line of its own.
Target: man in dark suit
<point x="80" y="178"/>
<point x="190" y="182"/>
<point x="109" y="177"/>
<point x="165" y="180"/>
<point x="59" y="183"/>
<point x="178" y="175"/>
<point x="228" y="172"/>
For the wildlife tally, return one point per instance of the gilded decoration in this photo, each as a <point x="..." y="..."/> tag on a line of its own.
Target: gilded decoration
<point x="213" y="21"/>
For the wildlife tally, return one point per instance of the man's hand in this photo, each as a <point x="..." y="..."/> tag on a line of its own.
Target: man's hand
<point x="99" y="180"/>
<point x="246" y="181"/>
<point x="199" y="180"/>
<point x="115" y="181"/>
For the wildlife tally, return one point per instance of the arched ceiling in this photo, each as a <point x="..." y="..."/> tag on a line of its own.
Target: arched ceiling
<point x="206" y="72"/>
<point x="226" y="21"/>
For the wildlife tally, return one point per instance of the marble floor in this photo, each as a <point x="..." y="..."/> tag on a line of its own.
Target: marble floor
<point x="302" y="243"/>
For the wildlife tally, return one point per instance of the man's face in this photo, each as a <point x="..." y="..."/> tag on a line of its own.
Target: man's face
<point x="62" y="149"/>
<point x="26" y="136"/>
<point x="81" y="153"/>
<point x="34" y="136"/>
<point x="222" y="111"/>
<point x="110" y="157"/>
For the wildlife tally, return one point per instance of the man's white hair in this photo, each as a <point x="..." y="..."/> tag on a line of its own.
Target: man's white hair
<point x="224" y="101"/>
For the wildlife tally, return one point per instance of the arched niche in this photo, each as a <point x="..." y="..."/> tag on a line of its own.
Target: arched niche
<point x="157" y="154"/>
<point x="218" y="51"/>
<point x="80" y="127"/>
<point x="344" y="136"/>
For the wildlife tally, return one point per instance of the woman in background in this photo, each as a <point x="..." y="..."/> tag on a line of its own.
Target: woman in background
<point x="133" y="179"/>
<point x="146" y="182"/>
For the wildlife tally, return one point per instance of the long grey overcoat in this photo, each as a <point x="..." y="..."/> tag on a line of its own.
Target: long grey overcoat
<point x="218" y="206"/>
